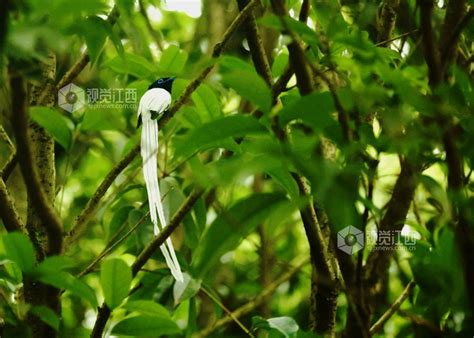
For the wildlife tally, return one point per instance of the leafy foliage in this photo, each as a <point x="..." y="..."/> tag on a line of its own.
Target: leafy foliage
<point x="367" y="123"/>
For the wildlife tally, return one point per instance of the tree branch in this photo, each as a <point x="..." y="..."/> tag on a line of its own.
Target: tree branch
<point x="257" y="50"/>
<point x="12" y="161"/>
<point x="430" y="50"/>
<point x="104" y="311"/>
<point x="83" y="61"/>
<point x="93" y="204"/>
<point x="89" y="210"/>
<point x="156" y="35"/>
<point x="40" y="201"/>
<point x="379" y="324"/>
<point x="453" y="24"/>
<point x="393" y="220"/>
<point x="250" y="306"/>
<point x="386" y="21"/>
<point x="10" y="217"/>
<point x="297" y="58"/>
<point x="112" y="245"/>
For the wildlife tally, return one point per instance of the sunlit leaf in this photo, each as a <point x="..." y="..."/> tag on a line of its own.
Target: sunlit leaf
<point x="115" y="278"/>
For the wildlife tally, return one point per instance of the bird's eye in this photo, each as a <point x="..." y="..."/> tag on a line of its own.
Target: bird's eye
<point x="160" y="81"/>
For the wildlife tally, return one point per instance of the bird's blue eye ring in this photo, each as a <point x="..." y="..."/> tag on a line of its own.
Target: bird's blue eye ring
<point x="160" y="81"/>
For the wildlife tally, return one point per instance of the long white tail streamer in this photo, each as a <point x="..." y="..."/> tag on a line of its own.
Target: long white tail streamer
<point x="149" y="149"/>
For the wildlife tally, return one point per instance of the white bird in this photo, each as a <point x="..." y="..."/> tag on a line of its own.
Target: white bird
<point x="153" y="105"/>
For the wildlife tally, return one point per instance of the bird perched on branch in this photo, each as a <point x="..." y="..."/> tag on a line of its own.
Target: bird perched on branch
<point x="153" y="105"/>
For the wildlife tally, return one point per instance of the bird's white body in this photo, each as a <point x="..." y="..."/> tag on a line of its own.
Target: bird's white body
<point x="158" y="100"/>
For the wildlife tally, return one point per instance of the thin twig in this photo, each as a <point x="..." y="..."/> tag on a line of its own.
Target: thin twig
<point x="419" y="320"/>
<point x="379" y="324"/>
<point x="383" y="43"/>
<point x="113" y="244"/>
<point x="104" y="311"/>
<point x="155" y="34"/>
<point x="226" y="310"/>
<point x="89" y="210"/>
<point x="250" y="306"/>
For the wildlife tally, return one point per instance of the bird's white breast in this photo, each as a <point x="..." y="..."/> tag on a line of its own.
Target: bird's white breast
<point x="156" y="99"/>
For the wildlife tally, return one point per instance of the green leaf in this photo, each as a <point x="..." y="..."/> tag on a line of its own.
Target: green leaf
<point x="100" y="119"/>
<point x="145" y="326"/>
<point x="95" y="33"/>
<point x="172" y="60"/>
<point x="210" y="134"/>
<point x="287" y="326"/>
<point x="18" y="248"/>
<point x="206" y="102"/>
<point x="306" y="33"/>
<point x="115" y="278"/>
<point x="54" y="123"/>
<point x="132" y="64"/>
<point x="231" y="226"/>
<point x="147" y="307"/>
<point x="186" y="290"/>
<point x="56" y="263"/>
<point x="250" y="86"/>
<point x="233" y="64"/>
<point x="280" y="64"/>
<point x="46" y="315"/>
<point x="314" y="109"/>
<point x="66" y="281"/>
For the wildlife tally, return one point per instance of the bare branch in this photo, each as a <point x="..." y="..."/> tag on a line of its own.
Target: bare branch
<point x="12" y="161"/>
<point x="386" y="21"/>
<point x="83" y="61"/>
<point x="257" y="50"/>
<point x="379" y="324"/>
<point x="155" y="34"/>
<point x="430" y="49"/>
<point x="104" y="311"/>
<point x="89" y="210"/>
<point x="454" y="37"/>
<point x="10" y="217"/>
<point x="40" y="201"/>
<point x="113" y="244"/>
<point x="250" y="306"/>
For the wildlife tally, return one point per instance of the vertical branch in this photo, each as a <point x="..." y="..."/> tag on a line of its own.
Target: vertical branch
<point x="455" y="15"/>
<point x="11" y="219"/>
<point x="430" y="50"/>
<point x="254" y="39"/>
<point x="386" y="21"/>
<point x="154" y="33"/>
<point x="104" y="311"/>
<point x="36" y="192"/>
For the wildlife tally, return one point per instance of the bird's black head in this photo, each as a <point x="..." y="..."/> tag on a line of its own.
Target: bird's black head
<point x="165" y="83"/>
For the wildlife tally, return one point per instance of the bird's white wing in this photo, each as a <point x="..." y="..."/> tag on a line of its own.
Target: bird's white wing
<point x="157" y="100"/>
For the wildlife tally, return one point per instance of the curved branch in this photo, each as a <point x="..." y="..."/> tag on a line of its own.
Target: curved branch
<point x="93" y="204"/>
<point x="379" y="324"/>
<point x="8" y="213"/>
<point x="104" y="311"/>
<point x="28" y="168"/>
<point x="250" y="306"/>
